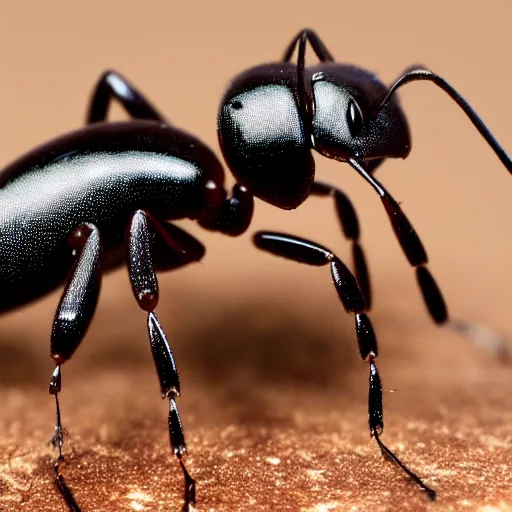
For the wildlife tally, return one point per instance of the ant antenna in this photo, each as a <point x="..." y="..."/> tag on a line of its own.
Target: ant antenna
<point x="418" y="73"/>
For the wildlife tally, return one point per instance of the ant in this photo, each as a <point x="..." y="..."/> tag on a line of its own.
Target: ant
<point x="83" y="203"/>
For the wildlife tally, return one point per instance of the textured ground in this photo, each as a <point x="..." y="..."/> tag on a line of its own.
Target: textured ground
<point x="275" y="423"/>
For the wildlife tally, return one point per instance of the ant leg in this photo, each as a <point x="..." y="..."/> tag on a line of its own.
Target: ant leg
<point x="316" y="43"/>
<point x="73" y="316"/>
<point x="144" y="283"/>
<point x="417" y="257"/>
<point x="305" y="251"/>
<point x="347" y="217"/>
<point x="304" y="90"/>
<point x="111" y="85"/>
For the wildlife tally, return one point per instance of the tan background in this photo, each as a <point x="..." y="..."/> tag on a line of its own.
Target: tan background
<point x="268" y="360"/>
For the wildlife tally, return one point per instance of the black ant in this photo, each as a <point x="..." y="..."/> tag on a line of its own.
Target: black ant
<point x="84" y="202"/>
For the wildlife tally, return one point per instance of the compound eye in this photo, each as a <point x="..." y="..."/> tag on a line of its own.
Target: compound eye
<point x="354" y="118"/>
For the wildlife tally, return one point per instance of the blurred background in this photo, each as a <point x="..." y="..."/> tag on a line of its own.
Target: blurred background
<point x="257" y="338"/>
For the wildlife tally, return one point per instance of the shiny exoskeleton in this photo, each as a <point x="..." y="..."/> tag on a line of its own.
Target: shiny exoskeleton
<point x="271" y="118"/>
<point x="84" y="202"/>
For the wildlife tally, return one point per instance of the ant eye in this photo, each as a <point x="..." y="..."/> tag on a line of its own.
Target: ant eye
<point x="237" y="105"/>
<point x="354" y="118"/>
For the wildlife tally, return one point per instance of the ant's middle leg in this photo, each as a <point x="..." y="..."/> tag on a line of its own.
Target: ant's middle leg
<point x="111" y="85"/>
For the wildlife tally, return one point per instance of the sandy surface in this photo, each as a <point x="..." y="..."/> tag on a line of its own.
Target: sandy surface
<point x="269" y="426"/>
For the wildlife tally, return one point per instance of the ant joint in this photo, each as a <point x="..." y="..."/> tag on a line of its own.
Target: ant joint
<point x="376" y="431"/>
<point x="171" y="393"/>
<point x="180" y="451"/>
<point x="55" y="381"/>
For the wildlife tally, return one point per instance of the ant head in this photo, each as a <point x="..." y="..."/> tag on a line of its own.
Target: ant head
<point x="262" y="137"/>
<point x="347" y="121"/>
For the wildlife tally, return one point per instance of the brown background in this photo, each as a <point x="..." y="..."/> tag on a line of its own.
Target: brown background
<point x="268" y="360"/>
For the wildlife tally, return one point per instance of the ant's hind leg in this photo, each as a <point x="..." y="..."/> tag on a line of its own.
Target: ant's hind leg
<point x="111" y="85"/>
<point x="73" y="317"/>
<point x="153" y="244"/>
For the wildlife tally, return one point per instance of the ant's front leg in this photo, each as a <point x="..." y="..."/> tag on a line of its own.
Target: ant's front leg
<point x="111" y="85"/>
<point x="304" y="90"/>
<point x="316" y="43"/>
<point x="74" y="314"/>
<point x="305" y="251"/>
<point x="347" y="217"/>
<point x="417" y="256"/>
<point x="180" y="248"/>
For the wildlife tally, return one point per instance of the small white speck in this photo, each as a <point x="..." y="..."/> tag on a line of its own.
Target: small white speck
<point x="316" y="474"/>
<point x="138" y="499"/>
<point x="324" y="507"/>
<point x="273" y="460"/>
<point x="120" y="88"/>
<point x="139" y="496"/>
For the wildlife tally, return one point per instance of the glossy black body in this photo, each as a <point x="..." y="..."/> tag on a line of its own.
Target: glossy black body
<point x="267" y="140"/>
<point x="101" y="175"/>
